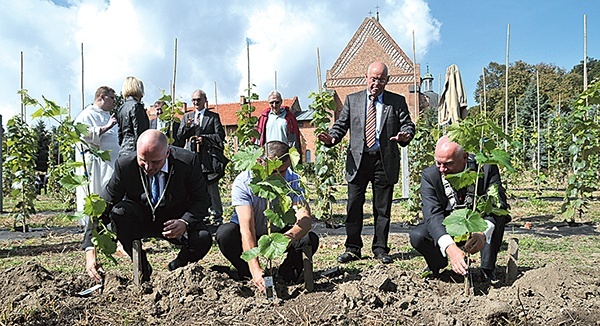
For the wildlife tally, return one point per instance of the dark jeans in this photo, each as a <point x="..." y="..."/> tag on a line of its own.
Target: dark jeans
<point x="421" y="240"/>
<point x="229" y="240"/>
<point x="134" y="222"/>
<point x="370" y="170"/>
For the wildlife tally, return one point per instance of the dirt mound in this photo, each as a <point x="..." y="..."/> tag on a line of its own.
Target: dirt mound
<point x="553" y="295"/>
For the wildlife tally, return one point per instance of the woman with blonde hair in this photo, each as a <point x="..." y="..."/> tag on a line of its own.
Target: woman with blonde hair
<point x="131" y="116"/>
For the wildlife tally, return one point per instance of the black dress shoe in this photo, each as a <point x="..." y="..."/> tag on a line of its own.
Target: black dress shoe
<point x="347" y="257"/>
<point x="176" y="263"/>
<point x="384" y="257"/>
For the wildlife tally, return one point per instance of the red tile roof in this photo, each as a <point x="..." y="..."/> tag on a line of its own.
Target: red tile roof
<point x="227" y="111"/>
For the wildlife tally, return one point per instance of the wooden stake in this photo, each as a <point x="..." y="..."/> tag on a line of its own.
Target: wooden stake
<point x="174" y="73"/>
<point x="137" y="262"/>
<point x="309" y="281"/>
<point x="512" y="263"/>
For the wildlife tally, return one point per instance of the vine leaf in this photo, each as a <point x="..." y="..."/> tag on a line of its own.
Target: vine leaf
<point x="464" y="221"/>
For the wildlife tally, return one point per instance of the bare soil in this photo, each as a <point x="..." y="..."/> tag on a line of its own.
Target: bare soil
<point x="373" y="294"/>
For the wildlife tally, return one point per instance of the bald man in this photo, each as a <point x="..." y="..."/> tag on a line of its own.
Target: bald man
<point x="379" y="123"/>
<point x="439" y="200"/>
<point x="160" y="192"/>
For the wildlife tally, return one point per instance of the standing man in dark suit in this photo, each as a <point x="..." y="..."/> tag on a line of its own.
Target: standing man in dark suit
<point x="378" y="121"/>
<point x="157" y="192"/>
<point x="430" y="237"/>
<point x="204" y="132"/>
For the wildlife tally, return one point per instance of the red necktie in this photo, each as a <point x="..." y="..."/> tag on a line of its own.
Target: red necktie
<point x="370" y="124"/>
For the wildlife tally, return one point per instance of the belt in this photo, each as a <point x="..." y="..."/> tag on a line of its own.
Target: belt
<point x="376" y="153"/>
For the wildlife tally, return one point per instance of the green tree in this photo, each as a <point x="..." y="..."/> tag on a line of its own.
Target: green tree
<point x="21" y="145"/>
<point x="325" y="157"/>
<point x="43" y="144"/>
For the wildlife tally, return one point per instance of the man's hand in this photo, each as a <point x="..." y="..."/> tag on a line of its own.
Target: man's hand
<point x="111" y="122"/>
<point x="457" y="259"/>
<point x="257" y="278"/>
<point x="325" y="138"/>
<point x="90" y="266"/>
<point x="402" y="136"/>
<point x="174" y="229"/>
<point x="475" y="243"/>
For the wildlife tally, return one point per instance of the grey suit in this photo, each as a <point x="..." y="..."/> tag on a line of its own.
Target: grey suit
<point x="380" y="167"/>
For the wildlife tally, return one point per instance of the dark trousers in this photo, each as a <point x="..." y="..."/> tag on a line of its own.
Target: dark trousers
<point x="215" y="199"/>
<point x="370" y="170"/>
<point x="134" y="222"/>
<point x="229" y="239"/>
<point x="421" y="240"/>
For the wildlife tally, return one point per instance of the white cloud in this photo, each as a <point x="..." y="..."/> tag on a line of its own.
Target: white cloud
<point x="136" y="37"/>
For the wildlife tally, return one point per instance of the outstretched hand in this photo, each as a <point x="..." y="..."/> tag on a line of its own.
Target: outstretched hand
<point x="325" y="138"/>
<point x="402" y="136"/>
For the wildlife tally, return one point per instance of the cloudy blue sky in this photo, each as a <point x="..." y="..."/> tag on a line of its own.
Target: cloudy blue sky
<point x="136" y="37"/>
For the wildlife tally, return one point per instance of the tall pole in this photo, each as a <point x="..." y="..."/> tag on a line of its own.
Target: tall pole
<point x="416" y="116"/>
<point x="22" y="86"/>
<point x="319" y="80"/>
<point x="174" y="73"/>
<point x="484" y="93"/>
<point x="506" y="86"/>
<point x="82" y="81"/>
<point x="216" y="99"/>
<point x="248" y="54"/>
<point x="275" y="80"/>
<point x="537" y="76"/>
<point x="585" y="79"/>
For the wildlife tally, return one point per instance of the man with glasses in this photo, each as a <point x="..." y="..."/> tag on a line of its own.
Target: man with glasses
<point x="203" y="133"/>
<point x="378" y="121"/>
<point x="278" y="123"/>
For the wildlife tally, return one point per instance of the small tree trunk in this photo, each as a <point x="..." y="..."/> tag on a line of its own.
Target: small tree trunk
<point x="309" y="282"/>
<point x="137" y="262"/>
<point x="512" y="264"/>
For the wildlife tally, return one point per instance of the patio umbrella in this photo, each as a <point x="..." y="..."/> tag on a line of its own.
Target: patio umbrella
<point x="453" y="102"/>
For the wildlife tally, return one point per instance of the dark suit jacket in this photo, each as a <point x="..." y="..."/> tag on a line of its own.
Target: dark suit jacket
<point x="213" y="136"/>
<point x="395" y="118"/>
<point x="186" y="195"/>
<point x="436" y="205"/>
<point x="211" y="127"/>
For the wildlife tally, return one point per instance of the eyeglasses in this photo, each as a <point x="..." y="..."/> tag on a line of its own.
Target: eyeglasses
<point x="275" y="102"/>
<point x="196" y="100"/>
<point x="378" y="80"/>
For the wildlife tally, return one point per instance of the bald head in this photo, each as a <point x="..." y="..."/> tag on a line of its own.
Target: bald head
<point x="377" y="77"/>
<point x="449" y="156"/>
<point x="152" y="151"/>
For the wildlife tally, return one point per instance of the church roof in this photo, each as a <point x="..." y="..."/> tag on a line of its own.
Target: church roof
<point x="370" y="42"/>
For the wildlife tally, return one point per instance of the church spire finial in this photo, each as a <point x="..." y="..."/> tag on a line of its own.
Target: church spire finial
<point x="377" y="7"/>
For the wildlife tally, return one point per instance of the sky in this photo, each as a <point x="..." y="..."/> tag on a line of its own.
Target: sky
<point x="137" y="38"/>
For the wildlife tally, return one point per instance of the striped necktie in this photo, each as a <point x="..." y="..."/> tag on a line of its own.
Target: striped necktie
<point x="370" y="123"/>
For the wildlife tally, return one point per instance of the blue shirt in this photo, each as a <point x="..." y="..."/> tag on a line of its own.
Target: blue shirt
<point x="241" y="195"/>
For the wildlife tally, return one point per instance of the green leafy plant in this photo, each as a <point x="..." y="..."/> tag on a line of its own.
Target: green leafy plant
<point x="325" y="157"/>
<point x="274" y="189"/>
<point x="21" y="145"/>
<point x="246" y="128"/>
<point x="421" y="156"/>
<point x="70" y="134"/>
<point x="478" y="138"/>
<point x="171" y="111"/>
<point x="585" y="139"/>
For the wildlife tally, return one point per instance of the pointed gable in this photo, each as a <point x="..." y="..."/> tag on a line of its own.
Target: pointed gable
<point x="370" y="43"/>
